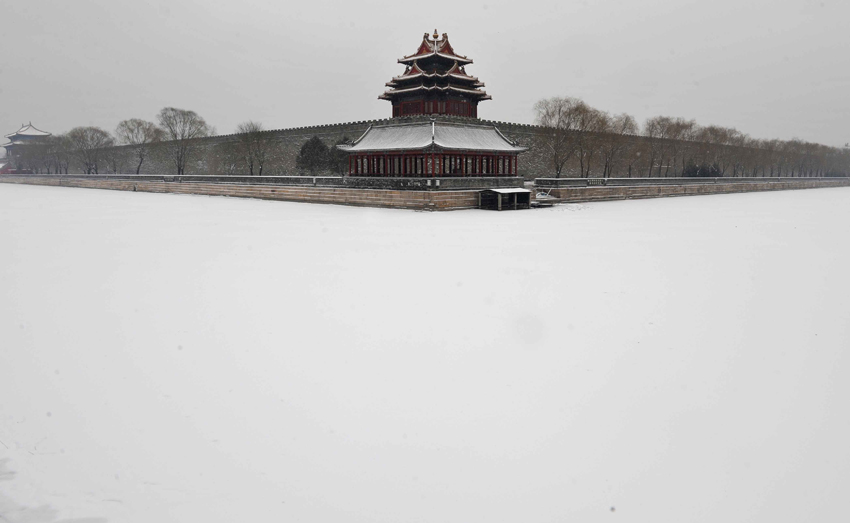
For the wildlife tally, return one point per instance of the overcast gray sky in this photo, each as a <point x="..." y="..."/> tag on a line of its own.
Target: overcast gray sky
<point x="772" y="69"/>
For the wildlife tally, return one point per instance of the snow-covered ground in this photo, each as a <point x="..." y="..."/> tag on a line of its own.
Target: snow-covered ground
<point x="181" y="358"/>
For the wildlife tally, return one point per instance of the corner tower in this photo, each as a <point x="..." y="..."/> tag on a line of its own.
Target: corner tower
<point x="435" y="82"/>
<point x="18" y="140"/>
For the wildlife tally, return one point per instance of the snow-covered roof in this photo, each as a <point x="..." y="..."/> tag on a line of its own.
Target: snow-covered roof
<point x="510" y="190"/>
<point x="456" y="58"/>
<point x="28" y="130"/>
<point x="455" y="71"/>
<point x="396" y="81"/>
<point x="445" y="135"/>
<point x="482" y="94"/>
<point x="435" y="46"/>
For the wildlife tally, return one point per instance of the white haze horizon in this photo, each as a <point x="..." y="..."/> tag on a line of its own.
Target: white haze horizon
<point x="770" y="69"/>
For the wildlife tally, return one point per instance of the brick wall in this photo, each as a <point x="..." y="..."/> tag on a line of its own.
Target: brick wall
<point x="620" y="192"/>
<point x="214" y="156"/>
<point x="401" y="199"/>
<point x="416" y="199"/>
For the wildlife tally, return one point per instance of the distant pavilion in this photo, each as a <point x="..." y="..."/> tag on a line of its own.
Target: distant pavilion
<point x="435" y="83"/>
<point x="26" y="135"/>
<point x="435" y="148"/>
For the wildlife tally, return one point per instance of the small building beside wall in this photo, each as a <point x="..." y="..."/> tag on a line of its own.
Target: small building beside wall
<point x="432" y="149"/>
<point x="501" y="199"/>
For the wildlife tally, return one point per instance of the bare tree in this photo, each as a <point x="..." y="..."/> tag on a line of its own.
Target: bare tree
<point x="572" y="130"/>
<point x="255" y="146"/>
<point x="590" y="123"/>
<point x="87" y="145"/>
<point x="681" y="133"/>
<point x="181" y="128"/>
<point x="617" y="138"/>
<point x="116" y="159"/>
<point x="657" y="131"/>
<point x="139" y="135"/>
<point x="29" y="157"/>
<point x="62" y="154"/>
<point x="52" y="154"/>
<point x="559" y="117"/>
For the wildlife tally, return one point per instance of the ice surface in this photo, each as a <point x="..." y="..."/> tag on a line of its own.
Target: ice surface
<point x="181" y="358"/>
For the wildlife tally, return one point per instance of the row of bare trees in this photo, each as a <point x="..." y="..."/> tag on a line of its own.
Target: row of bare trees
<point x="573" y="139"/>
<point x="176" y="138"/>
<point x="580" y="141"/>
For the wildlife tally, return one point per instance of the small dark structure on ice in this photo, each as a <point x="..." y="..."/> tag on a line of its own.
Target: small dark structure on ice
<point x="508" y="198"/>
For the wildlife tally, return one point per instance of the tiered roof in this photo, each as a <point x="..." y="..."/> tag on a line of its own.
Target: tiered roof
<point x="28" y="131"/>
<point x="24" y="135"/>
<point x="435" y="47"/>
<point x="435" y="68"/>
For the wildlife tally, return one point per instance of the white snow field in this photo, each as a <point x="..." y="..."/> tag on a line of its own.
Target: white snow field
<point x="185" y="358"/>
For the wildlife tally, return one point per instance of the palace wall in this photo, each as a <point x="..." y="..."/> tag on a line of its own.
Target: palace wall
<point x="409" y="198"/>
<point x="676" y="187"/>
<point x="215" y="155"/>
<point x="396" y="199"/>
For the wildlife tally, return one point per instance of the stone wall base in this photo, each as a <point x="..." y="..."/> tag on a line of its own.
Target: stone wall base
<point x="403" y="199"/>
<point x="602" y="193"/>
<point x="418" y="200"/>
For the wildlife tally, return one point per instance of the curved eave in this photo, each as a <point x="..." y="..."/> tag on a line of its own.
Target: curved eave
<point x="30" y="131"/>
<point x="401" y="85"/>
<point x="466" y="77"/>
<point x="481" y="94"/>
<point x="459" y="59"/>
<point x="432" y="135"/>
<point x="403" y="77"/>
<point x="514" y="149"/>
